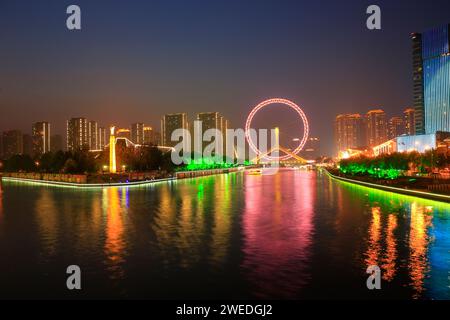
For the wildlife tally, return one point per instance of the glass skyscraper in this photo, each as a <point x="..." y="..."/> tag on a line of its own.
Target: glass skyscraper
<point x="436" y="79"/>
<point x="419" y="112"/>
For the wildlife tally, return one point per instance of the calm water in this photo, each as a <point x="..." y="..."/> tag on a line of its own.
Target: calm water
<point x="292" y="235"/>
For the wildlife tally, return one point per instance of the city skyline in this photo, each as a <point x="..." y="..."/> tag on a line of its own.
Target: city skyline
<point x="205" y="150"/>
<point x="422" y="128"/>
<point x="135" y="83"/>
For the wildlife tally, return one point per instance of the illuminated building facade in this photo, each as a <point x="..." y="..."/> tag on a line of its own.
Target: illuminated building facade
<point x="387" y="147"/>
<point x="409" y="119"/>
<point x="420" y="143"/>
<point x="56" y="143"/>
<point x="418" y="99"/>
<point x="137" y="133"/>
<point x="77" y="134"/>
<point x="102" y="137"/>
<point x="213" y="120"/>
<point x="41" y="138"/>
<point x="311" y="150"/>
<point x="12" y="141"/>
<point x="93" y="135"/>
<point x="396" y="127"/>
<point x="171" y="122"/>
<point x="431" y="61"/>
<point x="434" y="68"/>
<point x="349" y="132"/>
<point x="151" y="137"/>
<point x="376" y="126"/>
<point x="28" y="145"/>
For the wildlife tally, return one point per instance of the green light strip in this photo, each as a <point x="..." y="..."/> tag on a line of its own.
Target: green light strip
<point x="414" y="193"/>
<point x="85" y="186"/>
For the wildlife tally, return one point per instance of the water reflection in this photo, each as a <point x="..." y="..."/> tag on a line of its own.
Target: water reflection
<point x="221" y="232"/>
<point x="401" y="234"/>
<point x="284" y="236"/>
<point x="385" y="257"/>
<point x="1" y="203"/>
<point x="48" y="221"/>
<point x="418" y="244"/>
<point x="389" y="262"/>
<point x="374" y="246"/>
<point x="114" y="210"/>
<point x="179" y="226"/>
<point x="278" y="230"/>
<point x="193" y="221"/>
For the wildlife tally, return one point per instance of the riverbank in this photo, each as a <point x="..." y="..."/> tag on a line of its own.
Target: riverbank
<point x="202" y="173"/>
<point x="97" y="178"/>
<point x="390" y="188"/>
<point x="119" y="180"/>
<point x="85" y="185"/>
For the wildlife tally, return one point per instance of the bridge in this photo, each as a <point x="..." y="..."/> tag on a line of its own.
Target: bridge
<point x="294" y="158"/>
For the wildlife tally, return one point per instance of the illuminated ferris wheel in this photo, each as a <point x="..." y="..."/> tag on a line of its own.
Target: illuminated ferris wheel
<point x="288" y="153"/>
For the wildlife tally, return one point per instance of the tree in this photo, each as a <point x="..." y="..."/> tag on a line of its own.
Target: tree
<point x="70" y="166"/>
<point x="20" y="163"/>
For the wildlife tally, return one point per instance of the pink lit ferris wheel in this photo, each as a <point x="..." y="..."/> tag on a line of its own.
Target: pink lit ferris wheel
<point x="288" y="153"/>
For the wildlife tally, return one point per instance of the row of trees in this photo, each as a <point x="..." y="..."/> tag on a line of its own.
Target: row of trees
<point x="393" y="165"/>
<point x="83" y="161"/>
<point x="58" y="162"/>
<point x="142" y="159"/>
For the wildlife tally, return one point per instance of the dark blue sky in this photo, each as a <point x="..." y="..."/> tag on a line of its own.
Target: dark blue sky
<point x="136" y="60"/>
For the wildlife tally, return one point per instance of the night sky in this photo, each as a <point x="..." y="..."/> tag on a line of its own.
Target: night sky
<point x="136" y="60"/>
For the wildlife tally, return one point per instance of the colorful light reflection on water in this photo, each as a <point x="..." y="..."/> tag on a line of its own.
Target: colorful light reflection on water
<point x="290" y="235"/>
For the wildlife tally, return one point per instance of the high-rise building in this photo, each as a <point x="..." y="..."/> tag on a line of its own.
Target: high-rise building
<point x="171" y="122"/>
<point x="376" y="125"/>
<point x="434" y="68"/>
<point x="93" y="135"/>
<point x="349" y="132"/>
<point x="311" y="150"/>
<point x="213" y="120"/>
<point x="418" y="98"/>
<point x="41" y="138"/>
<point x="12" y="143"/>
<point x="409" y="120"/>
<point x="102" y="137"/>
<point x="225" y="127"/>
<point x="137" y="133"/>
<point x="151" y="137"/>
<point x="1" y="146"/>
<point x="77" y="134"/>
<point x="28" y="145"/>
<point x="56" y="143"/>
<point x="396" y="127"/>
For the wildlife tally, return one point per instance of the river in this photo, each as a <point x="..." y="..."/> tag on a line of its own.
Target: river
<point x="293" y="235"/>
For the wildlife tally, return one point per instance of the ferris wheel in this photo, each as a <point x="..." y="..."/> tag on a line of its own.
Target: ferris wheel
<point x="288" y="153"/>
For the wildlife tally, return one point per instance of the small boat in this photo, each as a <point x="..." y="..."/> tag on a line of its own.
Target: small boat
<point x="254" y="172"/>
